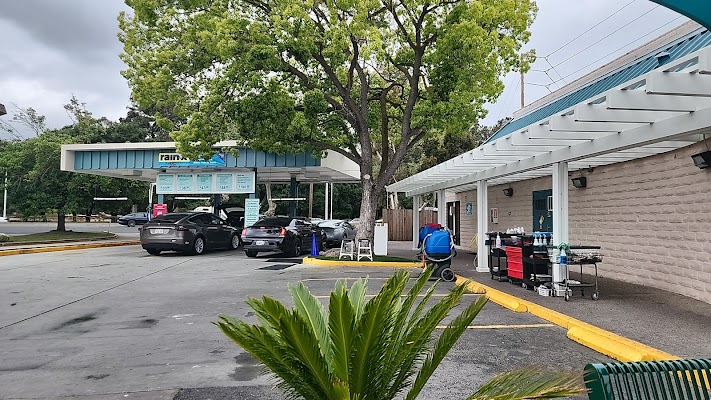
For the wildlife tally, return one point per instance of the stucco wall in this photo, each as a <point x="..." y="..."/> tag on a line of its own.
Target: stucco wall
<point x="651" y="216"/>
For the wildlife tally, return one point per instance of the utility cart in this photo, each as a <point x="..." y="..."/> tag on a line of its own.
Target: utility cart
<point x="498" y="260"/>
<point x="582" y="255"/>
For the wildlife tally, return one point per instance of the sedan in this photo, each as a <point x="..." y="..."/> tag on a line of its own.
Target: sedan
<point x="284" y="234"/>
<point x="191" y="233"/>
<point x="133" y="219"/>
<point x="336" y="231"/>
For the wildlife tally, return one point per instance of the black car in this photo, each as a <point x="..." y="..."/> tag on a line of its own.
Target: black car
<point x="291" y="236"/>
<point x="133" y="219"/>
<point x="191" y="233"/>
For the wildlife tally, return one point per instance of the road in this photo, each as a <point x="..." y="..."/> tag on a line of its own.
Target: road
<point x="24" y="228"/>
<point x="117" y="320"/>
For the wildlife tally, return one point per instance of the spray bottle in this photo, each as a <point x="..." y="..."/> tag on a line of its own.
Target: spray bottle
<point x="498" y="241"/>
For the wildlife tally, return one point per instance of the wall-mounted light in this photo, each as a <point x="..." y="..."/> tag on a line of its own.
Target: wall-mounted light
<point x="508" y="192"/>
<point x="580" y="182"/>
<point x="702" y="160"/>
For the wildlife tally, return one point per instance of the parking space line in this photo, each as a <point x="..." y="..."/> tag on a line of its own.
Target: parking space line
<point x="404" y="295"/>
<point x="505" y="326"/>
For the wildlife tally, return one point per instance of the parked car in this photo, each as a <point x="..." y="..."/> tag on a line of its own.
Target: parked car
<point x="133" y="219"/>
<point x="291" y="236"/>
<point x="233" y="214"/>
<point x="192" y="232"/>
<point x="336" y="231"/>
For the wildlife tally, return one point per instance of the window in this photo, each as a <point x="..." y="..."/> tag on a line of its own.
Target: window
<point x="175" y="217"/>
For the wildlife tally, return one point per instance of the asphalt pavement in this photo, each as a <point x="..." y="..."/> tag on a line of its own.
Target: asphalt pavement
<point x="116" y="322"/>
<point x="25" y="228"/>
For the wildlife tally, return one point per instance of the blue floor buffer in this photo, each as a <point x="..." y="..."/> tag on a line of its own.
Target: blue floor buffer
<point x="438" y="249"/>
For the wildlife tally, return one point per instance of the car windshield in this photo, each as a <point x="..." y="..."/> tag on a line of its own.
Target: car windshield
<point x="330" y="224"/>
<point x="169" y="217"/>
<point x="278" y="221"/>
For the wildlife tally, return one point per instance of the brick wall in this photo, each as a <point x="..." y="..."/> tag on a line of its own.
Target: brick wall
<point x="651" y="216"/>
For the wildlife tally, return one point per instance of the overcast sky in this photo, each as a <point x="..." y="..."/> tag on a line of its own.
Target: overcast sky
<point x="51" y="50"/>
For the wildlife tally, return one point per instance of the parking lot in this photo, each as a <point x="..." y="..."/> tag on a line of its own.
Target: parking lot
<point x="117" y="320"/>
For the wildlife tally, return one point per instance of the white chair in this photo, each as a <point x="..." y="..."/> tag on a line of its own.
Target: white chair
<point x="365" y="250"/>
<point x="347" y="249"/>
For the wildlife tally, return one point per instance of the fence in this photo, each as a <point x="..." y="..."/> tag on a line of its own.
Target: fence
<point x="400" y="222"/>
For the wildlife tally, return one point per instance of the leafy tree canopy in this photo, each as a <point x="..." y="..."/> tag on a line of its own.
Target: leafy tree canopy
<point x="344" y="76"/>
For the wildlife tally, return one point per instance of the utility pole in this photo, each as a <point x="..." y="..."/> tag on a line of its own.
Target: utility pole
<point x="4" y="202"/>
<point x="523" y="103"/>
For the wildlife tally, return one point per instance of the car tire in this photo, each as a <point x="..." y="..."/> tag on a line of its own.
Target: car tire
<point x="198" y="246"/>
<point x="131" y="223"/>
<point x="235" y="242"/>
<point x="153" y="252"/>
<point x="296" y="251"/>
<point x="251" y="253"/>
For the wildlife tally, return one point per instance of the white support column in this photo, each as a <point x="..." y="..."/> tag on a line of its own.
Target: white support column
<point x="415" y="221"/>
<point x="560" y="203"/>
<point x="325" y="202"/>
<point x="482" y="223"/>
<point x="441" y="208"/>
<point x="330" y="209"/>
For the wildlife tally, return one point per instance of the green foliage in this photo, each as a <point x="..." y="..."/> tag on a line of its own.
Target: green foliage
<point x="366" y="78"/>
<point x="383" y="348"/>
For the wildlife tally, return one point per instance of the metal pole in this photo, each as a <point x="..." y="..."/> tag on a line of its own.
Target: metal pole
<point x="331" y="209"/>
<point x="4" y="200"/>
<point x="325" y="203"/>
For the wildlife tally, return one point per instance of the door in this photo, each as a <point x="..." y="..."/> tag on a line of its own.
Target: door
<point x="542" y="213"/>
<point x="453" y="220"/>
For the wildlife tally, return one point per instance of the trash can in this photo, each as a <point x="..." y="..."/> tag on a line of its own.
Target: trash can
<point x="380" y="239"/>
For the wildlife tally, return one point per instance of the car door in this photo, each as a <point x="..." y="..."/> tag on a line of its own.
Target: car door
<point x="224" y="233"/>
<point x="204" y="224"/>
<point x="303" y="231"/>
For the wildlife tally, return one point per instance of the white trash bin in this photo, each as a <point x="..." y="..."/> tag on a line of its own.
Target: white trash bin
<point x="380" y="239"/>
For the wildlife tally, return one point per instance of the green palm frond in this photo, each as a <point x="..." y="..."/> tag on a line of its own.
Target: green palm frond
<point x="531" y="383"/>
<point x="357" y="296"/>
<point x="314" y="314"/>
<point x="341" y="323"/>
<point x="446" y="340"/>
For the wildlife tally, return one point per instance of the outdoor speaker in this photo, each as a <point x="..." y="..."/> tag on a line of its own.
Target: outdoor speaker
<point x="702" y="160"/>
<point x="580" y="182"/>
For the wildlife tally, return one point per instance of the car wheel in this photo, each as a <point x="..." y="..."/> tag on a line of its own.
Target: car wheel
<point x="153" y="252"/>
<point x="296" y="251"/>
<point x="198" y="246"/>
<point x="131" y="223"/>
<point x="250" y="253"/>
<point x="234" y="242"/>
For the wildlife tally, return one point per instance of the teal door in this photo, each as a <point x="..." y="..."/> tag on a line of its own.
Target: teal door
<point x="542" y="218"/>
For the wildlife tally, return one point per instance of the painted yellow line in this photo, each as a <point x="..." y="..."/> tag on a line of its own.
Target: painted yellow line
<point x="504" y="326"/>
<point x="404" y="295"/>
<point x="32" y="250"/>
<point x="598" y="339"/>
<point x="349" y="263"/>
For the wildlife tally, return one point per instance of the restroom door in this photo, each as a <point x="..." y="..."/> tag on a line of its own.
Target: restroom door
<point x="453" y="220"/>
<point x="542" y="212"/>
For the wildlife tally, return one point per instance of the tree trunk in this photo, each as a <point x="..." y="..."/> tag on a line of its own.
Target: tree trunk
<point x="272" y="205"/>
<point x="61" y="226"/>
<point x="368" y="206"/>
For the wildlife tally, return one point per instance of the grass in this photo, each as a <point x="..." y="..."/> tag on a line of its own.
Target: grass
<point x="54" y="235"/>
<point x="375" y="258"/>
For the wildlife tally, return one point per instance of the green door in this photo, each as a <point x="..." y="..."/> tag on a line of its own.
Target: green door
<point x="542" y="217"/>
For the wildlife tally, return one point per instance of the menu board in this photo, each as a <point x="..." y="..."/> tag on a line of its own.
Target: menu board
<point x="165" y="184"/>
<point x="224" y="182"/>
<point x="206" y="182"/>
<point x="185" y="183"/>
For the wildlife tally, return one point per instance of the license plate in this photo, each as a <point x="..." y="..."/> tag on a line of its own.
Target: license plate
<point x="158" y="231"/>
<point x="260" y="243"/>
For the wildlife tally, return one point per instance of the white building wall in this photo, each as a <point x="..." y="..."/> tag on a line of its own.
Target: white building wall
<point x="651" y="216"/>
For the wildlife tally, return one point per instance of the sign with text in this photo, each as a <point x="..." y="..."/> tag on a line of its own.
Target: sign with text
<point x="202" y="183"/>
<point x="251" y="211"/>
<point x="159" y="209"/>
<point x="171" y="160"/>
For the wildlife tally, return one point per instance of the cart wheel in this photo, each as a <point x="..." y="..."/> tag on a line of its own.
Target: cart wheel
<point x="595" y="296"/>
<point x="567" y="297"/>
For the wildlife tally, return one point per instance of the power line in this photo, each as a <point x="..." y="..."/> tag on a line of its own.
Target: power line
<point x="591" y="28"/>
<point x="620" y="48"/>
<point x="505" y="100"/>
<point x="606" y="36"/>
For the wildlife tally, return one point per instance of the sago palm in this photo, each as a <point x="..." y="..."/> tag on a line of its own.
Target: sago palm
<point x="372" y="350"/>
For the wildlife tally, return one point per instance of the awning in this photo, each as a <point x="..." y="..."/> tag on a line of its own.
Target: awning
<point x="660" y="111"/>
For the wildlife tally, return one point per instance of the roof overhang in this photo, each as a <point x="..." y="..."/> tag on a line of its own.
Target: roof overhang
<point x="660" y="111"/>
<point x="334" y="167"/>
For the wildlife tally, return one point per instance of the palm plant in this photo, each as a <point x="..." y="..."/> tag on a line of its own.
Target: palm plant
<point x="375" y="349"/>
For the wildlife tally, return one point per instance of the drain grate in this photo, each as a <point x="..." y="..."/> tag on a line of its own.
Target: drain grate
<point x="276" y="267"/>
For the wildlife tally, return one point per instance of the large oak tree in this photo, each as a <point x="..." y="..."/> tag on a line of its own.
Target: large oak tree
<point x="364" y="78"/>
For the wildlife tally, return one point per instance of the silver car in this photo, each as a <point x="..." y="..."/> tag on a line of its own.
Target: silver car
<point x="191" y="233"/>
<point x="336" y="231"/>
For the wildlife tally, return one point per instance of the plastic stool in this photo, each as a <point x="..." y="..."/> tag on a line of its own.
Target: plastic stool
<point x="347" y="249"/>
<point x="364" y="249"/>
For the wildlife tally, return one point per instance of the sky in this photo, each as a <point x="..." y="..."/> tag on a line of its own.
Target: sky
<point x="51" y="50"/>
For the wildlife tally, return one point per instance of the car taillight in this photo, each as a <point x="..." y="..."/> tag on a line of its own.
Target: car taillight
<point x="181" y="228"/>
<point x="282" y="232"/>
<point x="244" y="231"/>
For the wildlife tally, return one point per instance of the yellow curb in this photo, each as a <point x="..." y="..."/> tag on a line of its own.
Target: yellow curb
<point x="349" y="263"/>
<point x="600" y="340"/>
<point x="32" y="250"/>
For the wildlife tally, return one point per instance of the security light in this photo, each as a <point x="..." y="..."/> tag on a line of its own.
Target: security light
<point x="580" y="182"/>
<point x="702" y="160"/>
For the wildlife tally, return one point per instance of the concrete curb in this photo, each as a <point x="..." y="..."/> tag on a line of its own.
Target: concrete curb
<point x="32" y="250"/>
<point x="6" y="244"/>
<point x="600" y="340"/>
<point x="349" y="263"/>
